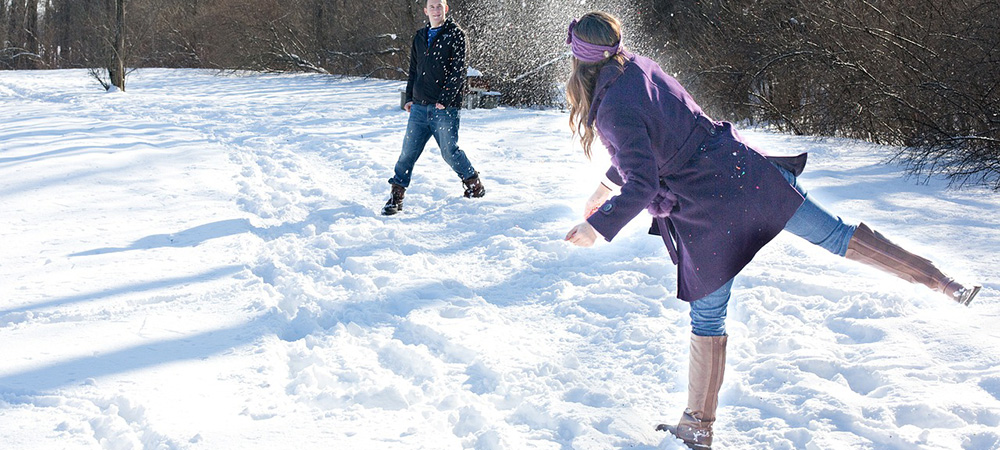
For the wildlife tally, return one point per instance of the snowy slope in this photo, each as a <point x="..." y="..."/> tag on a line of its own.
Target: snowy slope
<point x="199" y="263"/>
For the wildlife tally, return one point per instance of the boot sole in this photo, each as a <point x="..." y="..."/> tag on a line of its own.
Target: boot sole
<point x="673" y="432"/>
<point x="975" y="290"/>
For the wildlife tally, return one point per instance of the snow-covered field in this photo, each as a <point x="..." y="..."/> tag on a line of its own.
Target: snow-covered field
<point x="199" y="263"/>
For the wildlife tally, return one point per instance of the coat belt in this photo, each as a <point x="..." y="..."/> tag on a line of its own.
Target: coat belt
<point x="667" y="233"/>
<point x="704" y="128"/>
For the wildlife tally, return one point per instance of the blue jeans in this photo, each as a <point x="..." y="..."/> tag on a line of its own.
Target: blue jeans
<point x="426" y="121"/>
<point x="810" y="222"/>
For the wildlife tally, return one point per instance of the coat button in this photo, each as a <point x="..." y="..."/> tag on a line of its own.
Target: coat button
<point x="607" y="207"/>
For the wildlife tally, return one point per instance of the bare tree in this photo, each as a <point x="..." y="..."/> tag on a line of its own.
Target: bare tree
<point x="20" y="49"/>
<point x="71" y="33"/>
<point x="918" y="74"/>
<point x="109" y="24"/>
<point x="15" y="23"/>
<point x="31" y="28"/>
<point x="116" y="67"/>
<point x="3" y="22"/>
<point x="4" y="33"/>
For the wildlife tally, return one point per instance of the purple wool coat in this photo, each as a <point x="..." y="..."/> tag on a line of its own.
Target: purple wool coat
<point x="716" y="201"/>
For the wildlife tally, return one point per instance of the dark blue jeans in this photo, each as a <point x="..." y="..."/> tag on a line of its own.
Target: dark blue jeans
<point x="426" y="121"/>
<point x="810" y="222"/>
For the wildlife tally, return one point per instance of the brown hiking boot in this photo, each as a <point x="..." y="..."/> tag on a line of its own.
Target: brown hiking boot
<point x="473" y="187"/>
<point x="395" y="203"/>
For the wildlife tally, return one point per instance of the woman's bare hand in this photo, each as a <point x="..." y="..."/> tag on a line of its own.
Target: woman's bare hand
<point x="582" y="235"/>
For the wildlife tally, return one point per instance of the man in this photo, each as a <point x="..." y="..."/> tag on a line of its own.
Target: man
<point x="433" y="99"/>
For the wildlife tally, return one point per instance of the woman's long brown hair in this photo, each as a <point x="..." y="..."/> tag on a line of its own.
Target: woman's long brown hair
<point x="598" y="28"/>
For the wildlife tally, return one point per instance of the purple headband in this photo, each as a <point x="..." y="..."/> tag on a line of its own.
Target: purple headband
<point x="587" y="52"/>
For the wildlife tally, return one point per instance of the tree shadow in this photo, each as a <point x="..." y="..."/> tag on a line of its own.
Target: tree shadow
<point x="879" y="182"/>
<point x="80" y="369"/>
<point x="230" y="227"/>
<point x="136" y="287"/>
<point x="67" y="141"/>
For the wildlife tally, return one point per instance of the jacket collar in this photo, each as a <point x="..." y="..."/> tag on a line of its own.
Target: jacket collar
<point x="448" y="24"/>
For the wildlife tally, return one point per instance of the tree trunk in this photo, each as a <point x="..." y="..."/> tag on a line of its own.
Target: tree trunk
<point x="15" y="24"/>
<point x="116" y="70"/>
<point x="31" y="34"/>
<point x="3" y="20"/>
<point x="320" y="26"/>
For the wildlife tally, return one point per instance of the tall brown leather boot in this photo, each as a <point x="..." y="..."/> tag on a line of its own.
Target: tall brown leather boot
<point x="870" y="247"/>
<point x="708" y="364"/>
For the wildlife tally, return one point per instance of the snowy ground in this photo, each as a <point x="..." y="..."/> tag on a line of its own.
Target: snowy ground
<point x="199" y="263"/>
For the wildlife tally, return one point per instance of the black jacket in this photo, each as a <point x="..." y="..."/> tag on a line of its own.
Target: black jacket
<point x="437" y="72"/>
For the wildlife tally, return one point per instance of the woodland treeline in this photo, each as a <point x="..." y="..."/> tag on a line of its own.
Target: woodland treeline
<point x="923" y="75"/>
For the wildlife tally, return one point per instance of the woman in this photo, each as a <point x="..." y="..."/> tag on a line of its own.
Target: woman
<point x="715" y="201"/>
